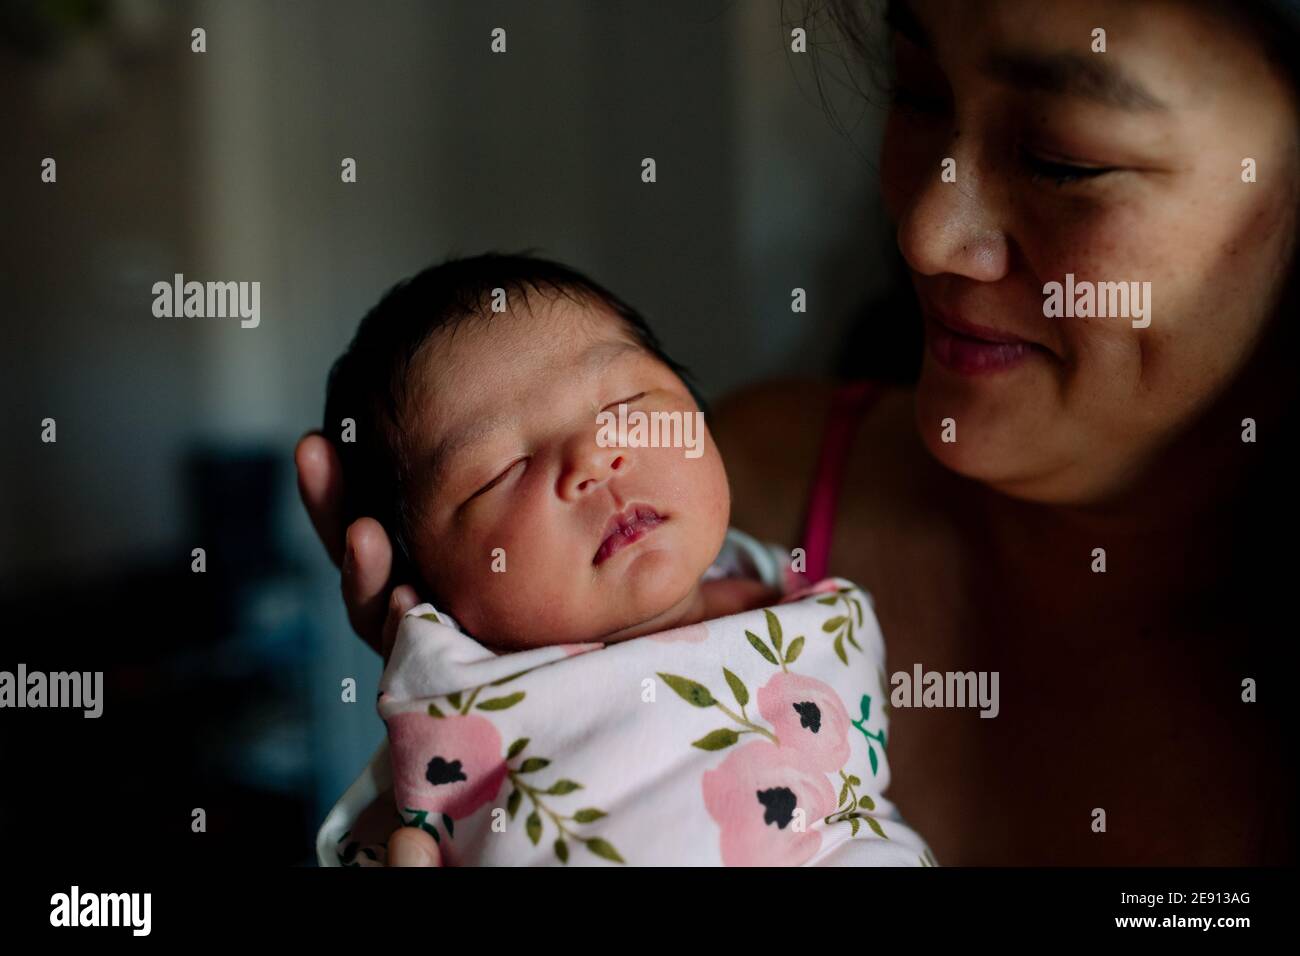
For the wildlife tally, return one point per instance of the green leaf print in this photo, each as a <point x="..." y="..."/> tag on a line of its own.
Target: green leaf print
<point x="516" y="748"/>
<point x="738" y="689"/>
<point x="717" y="740"/>
<point x="762" y="648"/>
<point x="774" y="629"/>
<point x="535" y="825"/>
<point x="602" y="848"/>
<point x="501" y="703"/>
<point x="689" y="690"/>
<point x="561" y="787"/>
<point x="794" y="650"/>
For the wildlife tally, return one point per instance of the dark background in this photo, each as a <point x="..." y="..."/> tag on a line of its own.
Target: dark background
<point x="222" y="689"/>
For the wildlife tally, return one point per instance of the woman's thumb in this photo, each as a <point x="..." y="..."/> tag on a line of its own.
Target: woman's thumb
<point x="410" y="846"/>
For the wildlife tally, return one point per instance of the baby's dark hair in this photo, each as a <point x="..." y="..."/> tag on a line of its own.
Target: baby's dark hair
<point x="368" y="382"/>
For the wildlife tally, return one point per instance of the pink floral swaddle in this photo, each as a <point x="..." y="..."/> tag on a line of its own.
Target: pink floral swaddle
<point x="754" y="739"/>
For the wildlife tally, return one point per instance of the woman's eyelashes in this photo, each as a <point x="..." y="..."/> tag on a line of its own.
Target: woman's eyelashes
<point x="924" y="104"/>
<point x="1062" y="174"/>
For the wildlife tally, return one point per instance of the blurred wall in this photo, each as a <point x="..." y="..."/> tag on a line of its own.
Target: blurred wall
<point x="225" y="165"/>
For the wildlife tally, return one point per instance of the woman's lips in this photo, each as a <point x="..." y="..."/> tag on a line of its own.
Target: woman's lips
<point x="971" y="350"/>
<point x="626" y="529"/>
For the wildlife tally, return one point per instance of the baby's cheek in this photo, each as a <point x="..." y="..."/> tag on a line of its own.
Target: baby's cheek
<point x="714" y="492"/>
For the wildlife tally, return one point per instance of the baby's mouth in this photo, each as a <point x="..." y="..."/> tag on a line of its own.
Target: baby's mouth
<point x="626" y="528"/>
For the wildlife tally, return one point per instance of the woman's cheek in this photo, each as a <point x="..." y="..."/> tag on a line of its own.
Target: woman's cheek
<point x="902" y="163"/>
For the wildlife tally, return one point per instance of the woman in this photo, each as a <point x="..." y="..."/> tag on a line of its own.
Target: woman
<point x="1073" y="502"/>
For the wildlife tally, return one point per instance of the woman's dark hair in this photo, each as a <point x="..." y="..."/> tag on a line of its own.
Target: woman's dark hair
<point x="368" y="383"/>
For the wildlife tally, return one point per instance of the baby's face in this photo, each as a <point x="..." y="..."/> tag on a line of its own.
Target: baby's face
<point x="531" y="532"/>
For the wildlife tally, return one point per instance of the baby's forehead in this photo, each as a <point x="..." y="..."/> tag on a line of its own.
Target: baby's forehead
<point x="557" y="328"/>
<point x="462" y="376"/>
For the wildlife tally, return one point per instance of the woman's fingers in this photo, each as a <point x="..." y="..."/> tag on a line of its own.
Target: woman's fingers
<point x="410" y="846"/>
<point x="363" y="551"/>
<point x="367" y="564"/>
<point x="320" y="483"/>
<point x="402" y="600"/>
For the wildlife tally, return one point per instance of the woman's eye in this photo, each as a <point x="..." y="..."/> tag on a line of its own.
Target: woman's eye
<point x="1061" y="173"/>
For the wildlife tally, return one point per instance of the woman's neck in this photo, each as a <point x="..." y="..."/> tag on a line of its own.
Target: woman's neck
<point x="1162" y="539"/>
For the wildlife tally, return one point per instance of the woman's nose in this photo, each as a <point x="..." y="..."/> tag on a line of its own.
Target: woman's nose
<point x="589" y="466"/>
<point x="955" y="227"/>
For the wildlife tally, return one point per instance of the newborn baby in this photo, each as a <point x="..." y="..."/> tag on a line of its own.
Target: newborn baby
<point x="577" y="689"/>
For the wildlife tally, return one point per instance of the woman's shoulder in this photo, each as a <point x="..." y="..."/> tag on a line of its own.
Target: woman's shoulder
<point x="770" y="437"/>
<point x="789" y="405"/>
<point x="783" y="421"/>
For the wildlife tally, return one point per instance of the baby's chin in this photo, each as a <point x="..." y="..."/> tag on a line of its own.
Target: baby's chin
<point x="653" y="598"/>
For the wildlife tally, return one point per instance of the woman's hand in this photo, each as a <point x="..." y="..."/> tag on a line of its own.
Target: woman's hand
<point x="365" y="557"/>
<point x="410" y="846"/>
<point x="362" y="550"/>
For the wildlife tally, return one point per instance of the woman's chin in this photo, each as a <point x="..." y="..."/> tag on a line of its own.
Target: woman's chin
<point x="979" y="437"/>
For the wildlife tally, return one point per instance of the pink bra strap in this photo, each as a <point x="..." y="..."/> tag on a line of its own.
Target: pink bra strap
<point x="848" y="404"/>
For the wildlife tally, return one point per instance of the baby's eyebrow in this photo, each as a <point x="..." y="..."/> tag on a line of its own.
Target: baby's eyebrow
<point x="594" y="359"/>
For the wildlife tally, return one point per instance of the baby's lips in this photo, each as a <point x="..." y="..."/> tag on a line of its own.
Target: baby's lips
<point x="629" y="523"/>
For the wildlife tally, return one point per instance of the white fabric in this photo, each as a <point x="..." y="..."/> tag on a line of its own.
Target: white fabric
<point x="617" y="738"/>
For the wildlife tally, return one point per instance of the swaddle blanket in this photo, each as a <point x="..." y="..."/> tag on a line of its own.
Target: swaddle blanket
<point x="753" y="739"/>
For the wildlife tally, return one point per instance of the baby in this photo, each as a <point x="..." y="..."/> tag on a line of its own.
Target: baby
<point x="577" y="574"/>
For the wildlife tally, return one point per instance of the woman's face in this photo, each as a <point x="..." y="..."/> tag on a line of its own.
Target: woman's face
<point x="1123" y="166"/>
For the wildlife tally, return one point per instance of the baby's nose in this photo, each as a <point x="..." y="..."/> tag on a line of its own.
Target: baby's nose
<point x="591" y="468"/>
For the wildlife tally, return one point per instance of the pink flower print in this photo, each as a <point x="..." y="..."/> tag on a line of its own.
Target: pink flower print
<point x="451" y="765"/>
<point x="808" y="716"/>
<point x="688" y="634"/>
<point x="753" y="796"/>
